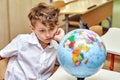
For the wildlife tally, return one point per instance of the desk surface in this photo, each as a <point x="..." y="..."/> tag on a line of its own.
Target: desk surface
<point x="103" y="74"/>
<point x="81" y="6"/>
<point x="111" y="40"/>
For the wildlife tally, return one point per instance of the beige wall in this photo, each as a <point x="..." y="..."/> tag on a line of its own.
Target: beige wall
<point x="13" y="18"/>
<point x="4" y="37"/>
<point x="116" y="14"/>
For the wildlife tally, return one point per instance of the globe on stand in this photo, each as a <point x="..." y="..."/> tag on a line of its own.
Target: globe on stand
<point x="81" y="53"/>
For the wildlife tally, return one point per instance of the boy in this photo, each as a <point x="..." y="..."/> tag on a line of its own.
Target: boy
<point x="33" y="56"/>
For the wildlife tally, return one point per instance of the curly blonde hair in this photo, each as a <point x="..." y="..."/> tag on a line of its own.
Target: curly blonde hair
<point x="46" y="14"/>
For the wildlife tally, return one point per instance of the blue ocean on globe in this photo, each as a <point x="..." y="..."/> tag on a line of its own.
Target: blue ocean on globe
<point x="81" y="53"/>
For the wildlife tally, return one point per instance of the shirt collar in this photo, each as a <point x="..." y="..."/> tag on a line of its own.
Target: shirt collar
<point x="33" y="39"/>
<point x="54" y="44"/>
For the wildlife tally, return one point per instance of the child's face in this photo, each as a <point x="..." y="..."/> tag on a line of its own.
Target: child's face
<point x="44" y="34"/>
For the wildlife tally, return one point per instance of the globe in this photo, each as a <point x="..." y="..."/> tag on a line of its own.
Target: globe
<point x="81" y="53"/>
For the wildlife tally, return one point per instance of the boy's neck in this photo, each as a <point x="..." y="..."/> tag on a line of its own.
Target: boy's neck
<point x="44" y="45"/>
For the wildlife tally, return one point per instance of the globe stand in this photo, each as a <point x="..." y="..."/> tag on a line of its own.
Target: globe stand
<point x="80" y="78"/>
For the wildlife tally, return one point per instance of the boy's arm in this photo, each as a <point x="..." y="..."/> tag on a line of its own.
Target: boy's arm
<point x="11" y="49"/>
<point x="55" y="69"/>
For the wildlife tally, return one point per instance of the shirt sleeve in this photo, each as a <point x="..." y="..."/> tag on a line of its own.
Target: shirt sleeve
<point x="55" y="44"/>
<point x="11" y="49"/>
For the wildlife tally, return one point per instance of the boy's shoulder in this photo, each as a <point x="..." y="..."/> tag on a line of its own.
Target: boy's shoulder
<point x="26" y="37"/>
<point x="23" y="36"/>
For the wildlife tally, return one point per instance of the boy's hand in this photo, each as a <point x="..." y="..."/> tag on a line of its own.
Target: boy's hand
<point x="59" y="34"/>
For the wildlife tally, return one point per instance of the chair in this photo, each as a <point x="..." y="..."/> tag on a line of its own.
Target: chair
<point x="97" y="29"/>
<point x="3" y="66"/>
<point x="111" y="39"/>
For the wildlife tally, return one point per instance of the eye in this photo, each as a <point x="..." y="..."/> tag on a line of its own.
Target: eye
<point x="41" y="30"/>
<point x="52" y="29"/>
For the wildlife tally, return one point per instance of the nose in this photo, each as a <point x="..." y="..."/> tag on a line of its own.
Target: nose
<point x="48" y="34"/>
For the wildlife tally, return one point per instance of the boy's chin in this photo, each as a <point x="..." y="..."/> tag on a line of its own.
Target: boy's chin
<point x="48" y="41"/>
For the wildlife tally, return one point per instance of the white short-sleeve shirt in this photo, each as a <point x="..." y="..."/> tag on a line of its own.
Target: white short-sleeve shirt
<point x="28" y="60"/>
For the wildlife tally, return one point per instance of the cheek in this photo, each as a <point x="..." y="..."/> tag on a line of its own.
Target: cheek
<point x="40" y="36"/>
<point x="55" y="31"/>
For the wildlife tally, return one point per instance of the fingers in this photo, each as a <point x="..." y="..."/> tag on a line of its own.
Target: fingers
<point x="59" y="34"/>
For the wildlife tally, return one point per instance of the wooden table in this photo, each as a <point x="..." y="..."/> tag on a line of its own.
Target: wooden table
<point x="102" y="74"/>
<point x="91" y="12"/>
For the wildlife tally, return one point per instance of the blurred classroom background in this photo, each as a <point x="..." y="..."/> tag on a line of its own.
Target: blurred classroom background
<point x="14" y="21"/>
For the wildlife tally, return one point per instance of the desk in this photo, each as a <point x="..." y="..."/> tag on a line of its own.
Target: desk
<point x="111" y="39"/>
<point x="92" y="16"/>
<point x="103" y="74"/>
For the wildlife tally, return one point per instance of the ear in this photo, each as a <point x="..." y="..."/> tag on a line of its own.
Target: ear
<point x="32" y="28"/>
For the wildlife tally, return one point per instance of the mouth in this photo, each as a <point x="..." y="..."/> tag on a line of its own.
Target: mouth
<point x="49" y="39"/>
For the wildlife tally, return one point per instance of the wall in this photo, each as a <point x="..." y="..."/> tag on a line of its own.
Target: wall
<point x="116" y="13"/>
<point x="4" y="31"/>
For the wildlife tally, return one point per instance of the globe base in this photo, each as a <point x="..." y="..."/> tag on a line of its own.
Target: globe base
<point x="80" y="78"/>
